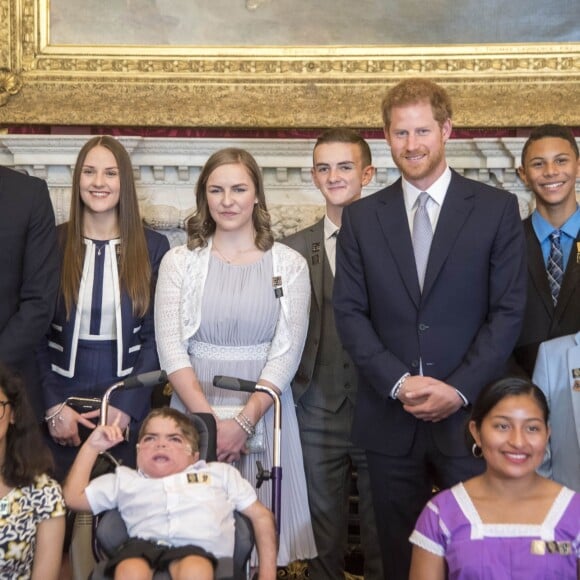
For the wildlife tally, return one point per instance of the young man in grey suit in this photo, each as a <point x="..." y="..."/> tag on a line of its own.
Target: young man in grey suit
<point x="325" y="385"/>
<point x="28" y="274"/>
<point x="429" y="298"/>
<point x="550" y="167"/>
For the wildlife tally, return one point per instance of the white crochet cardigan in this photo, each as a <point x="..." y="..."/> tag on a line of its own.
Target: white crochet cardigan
<point x="178" y="299"/>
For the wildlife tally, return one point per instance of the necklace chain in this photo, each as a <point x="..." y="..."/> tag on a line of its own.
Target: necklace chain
<point x="232" y="260"/>
<point x="101" y="247"/>
<point x="227" y="260"/>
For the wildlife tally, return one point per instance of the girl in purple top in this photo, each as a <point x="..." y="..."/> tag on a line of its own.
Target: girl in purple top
<point x="508" y="523"/>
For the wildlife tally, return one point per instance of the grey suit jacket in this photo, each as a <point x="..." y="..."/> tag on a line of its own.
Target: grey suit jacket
<point x="310" y="243"/>
<point x="557" y="363"/>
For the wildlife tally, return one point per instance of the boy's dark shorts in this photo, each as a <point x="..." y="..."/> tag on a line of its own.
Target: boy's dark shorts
<point x="158" y="555"/>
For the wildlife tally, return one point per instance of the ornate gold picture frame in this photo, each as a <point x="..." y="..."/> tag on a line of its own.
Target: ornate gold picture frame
<point x="494" y="85"/>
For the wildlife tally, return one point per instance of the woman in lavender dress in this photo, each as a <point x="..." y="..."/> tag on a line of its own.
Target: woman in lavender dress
<point x="233" y="302"/>
<point x="509" y="522"/>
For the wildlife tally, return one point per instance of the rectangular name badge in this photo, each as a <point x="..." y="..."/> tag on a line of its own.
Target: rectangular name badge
<point x="541" y="548"/>
<point x="277" y="285"/>
<point x="198" y="478"/>
<point x="315" y="253"/>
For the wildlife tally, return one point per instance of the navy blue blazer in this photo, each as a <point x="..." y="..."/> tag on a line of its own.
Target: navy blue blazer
<point x="136" y="344"/>
<point x="28" y="273"/>
<point x="463" y="326"/>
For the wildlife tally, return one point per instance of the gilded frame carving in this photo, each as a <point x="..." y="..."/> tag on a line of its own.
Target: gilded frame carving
<point x="492" y="85"/>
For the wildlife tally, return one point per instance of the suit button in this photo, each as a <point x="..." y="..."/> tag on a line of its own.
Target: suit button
<point x="347" y="386"/>
<point x="415" y="364"/>
<point x="346" y="366"/>
<point x="423" y="327"/>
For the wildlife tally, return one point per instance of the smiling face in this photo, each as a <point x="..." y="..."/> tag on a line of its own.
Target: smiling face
<point x="231" y="196"/>
<point x="513" y="437"/>
<point x="550" y="170"/>
<point x="99" y="184"/>
<point x="417" y="143"/>
<point x="340" y="173"/>
<point x="163" y="449"/>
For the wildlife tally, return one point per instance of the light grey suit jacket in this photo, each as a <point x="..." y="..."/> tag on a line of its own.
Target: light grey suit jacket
<point x="557" y="363"/>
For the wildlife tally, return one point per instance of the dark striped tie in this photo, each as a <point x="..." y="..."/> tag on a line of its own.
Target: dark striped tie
<point x="555" y="267"/>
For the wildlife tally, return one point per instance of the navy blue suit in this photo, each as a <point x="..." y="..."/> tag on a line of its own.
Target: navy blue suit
<point x="462" y="328"/>
<point x="137" y="343"/>
<point x="28" y="273"/>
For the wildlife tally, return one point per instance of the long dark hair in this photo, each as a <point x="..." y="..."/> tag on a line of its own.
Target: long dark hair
<point x="134" y="265"/>
<point x="27" y="456"/>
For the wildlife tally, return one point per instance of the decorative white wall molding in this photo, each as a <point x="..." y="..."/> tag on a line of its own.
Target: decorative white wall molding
<point x="166" y="170"/>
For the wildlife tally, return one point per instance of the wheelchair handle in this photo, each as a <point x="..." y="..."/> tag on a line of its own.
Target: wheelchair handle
<point x="234" y="384"/>
<point x="150" y="379"/>
<point x="144" y="380"/>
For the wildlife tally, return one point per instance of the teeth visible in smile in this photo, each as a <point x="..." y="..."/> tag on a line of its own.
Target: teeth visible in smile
<point x="99" y="193"/>
<point x="516" y="455"/>
<point x="553" y="185"/>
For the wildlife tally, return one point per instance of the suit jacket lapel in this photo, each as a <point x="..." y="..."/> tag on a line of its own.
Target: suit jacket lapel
<point x="456" y="208"/>
<point x="395" y="225"/>
<point x="570" y="282"/>
<point x="537" y="268"/>
<point x="315" y="241"/>
<point x="574" y="365"/>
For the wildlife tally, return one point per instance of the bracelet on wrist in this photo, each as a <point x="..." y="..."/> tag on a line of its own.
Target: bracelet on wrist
<point x="399" y="386"/>
<point x="247" y="430"/>
<point x="56" y="414"/>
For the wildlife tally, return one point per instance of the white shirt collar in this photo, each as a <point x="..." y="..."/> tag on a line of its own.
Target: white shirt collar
<point x="329" y="228"/>
<point x="437" y="190"/>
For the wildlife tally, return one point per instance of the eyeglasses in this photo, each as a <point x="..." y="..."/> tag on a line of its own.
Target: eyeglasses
<point x="170" y="441"/>
<point x="3" y="410"/>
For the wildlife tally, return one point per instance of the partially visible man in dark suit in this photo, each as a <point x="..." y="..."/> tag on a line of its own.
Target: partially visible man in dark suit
<point x="324" y="388"/>
<point x="550" y="167"/>
<point x="429" y="298"/>
<point x="28" y="274"/>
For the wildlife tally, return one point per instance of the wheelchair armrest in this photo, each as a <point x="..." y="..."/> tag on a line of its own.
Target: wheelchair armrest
<point x="111" y="531"/>
<point x="244" y="543"/>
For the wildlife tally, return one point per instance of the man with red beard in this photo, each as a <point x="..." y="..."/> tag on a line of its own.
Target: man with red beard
<point x="429" y="298"/>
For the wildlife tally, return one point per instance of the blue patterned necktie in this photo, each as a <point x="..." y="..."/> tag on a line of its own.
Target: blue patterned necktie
<point x="555" y="267"/>
<point x="422" y="236"/>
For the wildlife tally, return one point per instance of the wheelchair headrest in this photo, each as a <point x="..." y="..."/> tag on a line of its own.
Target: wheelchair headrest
<point x="206" y="427"/>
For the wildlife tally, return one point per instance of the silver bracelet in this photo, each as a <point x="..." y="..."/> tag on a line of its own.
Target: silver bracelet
<point x="244" y="427"/>
<point x="247" y="422"/>
<point x="399" y="386"/>
<point x="52" y="418"/>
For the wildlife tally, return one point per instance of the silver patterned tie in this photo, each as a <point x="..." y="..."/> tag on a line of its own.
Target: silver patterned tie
<point x="422" y="236"/>
<point x="555" y="266"/>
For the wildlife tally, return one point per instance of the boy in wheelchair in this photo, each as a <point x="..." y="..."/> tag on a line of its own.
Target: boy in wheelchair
<point x="179" y="511"/>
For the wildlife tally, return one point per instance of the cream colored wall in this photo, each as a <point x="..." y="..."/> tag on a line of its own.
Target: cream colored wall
<point x="166" y="170"/>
